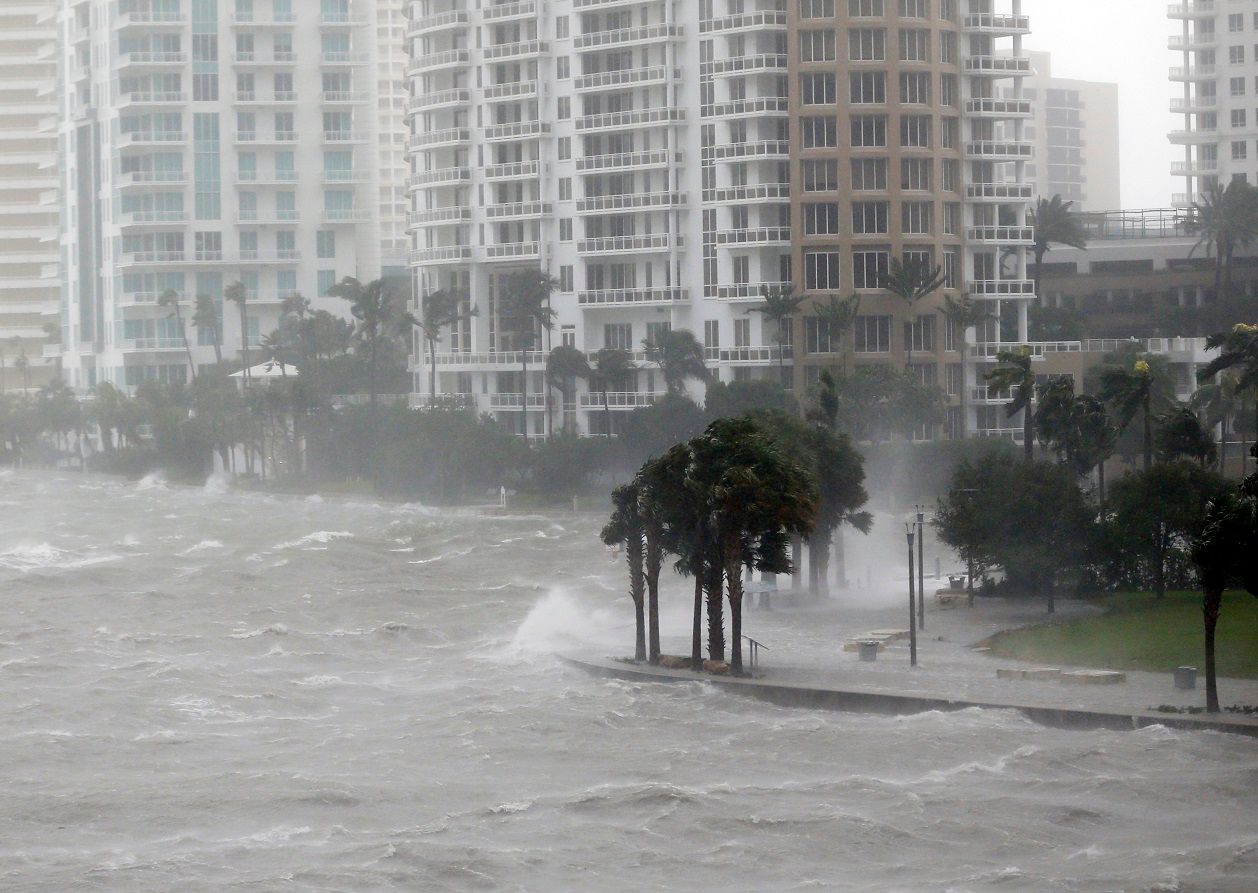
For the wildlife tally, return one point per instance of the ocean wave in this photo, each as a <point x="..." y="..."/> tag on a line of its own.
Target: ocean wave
<point x="203" y="546"/>
<point x="27" y="557"/>
<point x="322" y="537"/>
<point x="275" y="629"/>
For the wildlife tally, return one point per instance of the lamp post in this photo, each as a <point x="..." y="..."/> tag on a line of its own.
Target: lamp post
<point x="969" y="554"/>
<point x="921" y="569"/>
<point x="908" y="530"/>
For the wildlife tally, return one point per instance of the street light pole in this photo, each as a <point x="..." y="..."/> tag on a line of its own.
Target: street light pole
<point x="908" y="530"/>
<point x="921" y="569"/>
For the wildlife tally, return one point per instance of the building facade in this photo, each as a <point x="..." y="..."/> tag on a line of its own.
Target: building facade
<point x="1076" y="136"/>
<point x="1216" y="83"/>
<point x="205" y="143"/>
<point x="29" y="187"/>
<point x="664" y="167"/>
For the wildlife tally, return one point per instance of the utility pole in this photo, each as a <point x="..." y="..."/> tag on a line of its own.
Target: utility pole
<point x="921" y="569"/>
<point x="908" y="530"/>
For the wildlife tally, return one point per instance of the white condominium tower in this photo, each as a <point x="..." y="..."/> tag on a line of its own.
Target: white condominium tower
<point x="209" y="142"/>
<point x="1217" y="83"/>
<point x="29" y="292"/>
<point x="663" y="160"/>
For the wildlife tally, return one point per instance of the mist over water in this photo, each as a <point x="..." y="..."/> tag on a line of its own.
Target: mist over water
<point x="204" y="689"/>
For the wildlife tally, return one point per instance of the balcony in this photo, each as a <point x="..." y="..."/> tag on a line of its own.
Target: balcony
<point x="623" y="161"/>
<point x="625" y="37"/>
<point x="152" y="218"/>
<point x="640" y="201"/>
<point x="1200" y="168"/>
<point x="345" y="175"/>
<point x="750" y="291"/>
<point x="996" y="25"/>
<point x="251" y="58"/>
<point x="521" y="130"/>
<point x="344" y="57"/>
<point x="345" y="136"/>
<point x="627" y="244"/>
<point x="760" y="106"/>
<point x="514" y="170"/>
<point x="633" y="297"/>
<point x="251" y="20"/>
<point x="150" y="59"/>
<point x="511" y="251"/>
<point x="512" y="90"/>
<point x="150" y="344"/>
<point x="150" y="138"/>
<point x="765" y="20"/>
<point x="619" y="400"/>
<point x="635" y="118"/>
<point x="149" y="178"/>
<point x="435" y="61"/>
<point x="251" y="97"/>
<point x="758" y="192"/>
<point x="1193" y="42"/>
<point x="1002" y="288"/>
<point x="441" y="216"/>
<point x="501" y="12"/>
<point x="279" y="256"/>
<point x="508" y="402"/>
<point x="522" y="49"/>
<point x="768" y="63"/>
<point x="151" y="18"/>
<point x="256" y="178"/>
<point x="345" y="215"/>
<point x="517" y="210"/>
<point x="148" y="258"/>
<point x="1000" y="150"/>
<point x="254" y="217"/>
<point x="441" y="254"/>
<point x="749" y="356"/>
<point x="434" y="139"/>
<point x="765" y="150"/>
<point x="343" y="97"/>
<point x="1193" y="9"/>
<point x="439" y="99"/>
<point x="1193" y="73"/>
<point x="761" y="235"/>
<point x="1000" y="192"/>
<point x="616" y="80"/>
<point x="153" y="98"/>
<point x="998" y="66"/>
<point x="998" y="108"/>
<point x="1193" y="137"/>
<point x="1001" y="235"/>
<point x="1194" y="105"/>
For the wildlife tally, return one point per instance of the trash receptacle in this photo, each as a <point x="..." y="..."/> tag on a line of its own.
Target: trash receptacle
<point x="1186" y="678"/>
<point x="869" y="651"/>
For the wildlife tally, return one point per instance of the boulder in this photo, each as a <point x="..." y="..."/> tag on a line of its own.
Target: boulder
<point x="716" y="667"/>
<point x="672" y="662"/>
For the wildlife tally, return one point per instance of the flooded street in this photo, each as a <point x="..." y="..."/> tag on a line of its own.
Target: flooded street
<point x="209" y="690"/>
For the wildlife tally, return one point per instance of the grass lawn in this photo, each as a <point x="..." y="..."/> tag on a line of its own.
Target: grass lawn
<point x="1138" y="632"/>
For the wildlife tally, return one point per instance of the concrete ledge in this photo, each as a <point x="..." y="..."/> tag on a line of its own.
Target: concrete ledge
<point x="864" y="700"/>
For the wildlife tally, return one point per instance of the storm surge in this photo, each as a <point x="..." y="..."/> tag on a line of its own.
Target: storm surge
<point x="208" y="689"/>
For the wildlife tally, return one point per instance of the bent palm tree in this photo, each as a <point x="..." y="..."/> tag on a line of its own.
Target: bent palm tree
<point x="371" y="305"/>
<point x="1054" y="224"/>
<point x="780" y="305"/>
<point x="912" y="281"/>
<point x="170" y="300"/>
<point x="525" y="309"/>
<point x="839" y="316"/>
<point x="564" y="365"/>
<point x="1220" y="402"/>
<point x="206" y="318"/>
<point x="1238" y="350"/>
<point x="1131" y="391"/>
<point x="439" y="310"/>
<point x="239" y="295"/>
<point x="626" y="528"/>
<point x="680" y="356"/>
<point x="1016" y="375"/>
<point x="1224" y="219"/>
<point x="611" y="364"/>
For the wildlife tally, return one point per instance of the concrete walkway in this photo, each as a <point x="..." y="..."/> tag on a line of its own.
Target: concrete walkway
<point x="806" y="653"/>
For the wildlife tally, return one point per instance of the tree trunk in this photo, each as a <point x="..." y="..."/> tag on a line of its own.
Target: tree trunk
<point x="1148" y="435"/>
<point x="1028" y="431"/>
<point x="1100" y="476"/>
<point x="1159" y="558"/>
<point x="432" y="371"/>
<point x="716" y="613"/>
<point x="734" y="580"/>
<point x="371" y="371"/>
<point x="653" y="561"/>
<point x="1211" y="606"/>
<point x="244" y="341"/>
<point x="607" y="414"/>
<point x="696" y="633"/>
<point x="840" y="558"/>
<point x="524" y="391"/>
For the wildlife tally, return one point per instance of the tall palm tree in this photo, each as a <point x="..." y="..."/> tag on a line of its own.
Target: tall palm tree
<point x="1135" y="390"/>
<point x="1015" y="373"/>
<point x="1238" y="350"/>
<point x="780" y="306"/>
<point x="1077" y="428"/>
<point x="371" y="305"/>
<point x="524" y="309"/>
<point x="170" y="300"/>
<point x="239" y="295"/>
<point x="273" y="351"/>
<point x="565" y="364"/>
<point x="680" y="356"/>
<point x="23" y="365"/>
<point x="962" y="313"/>
<point x="626" y="528"/>
<point x="839" y="316"/>
<point x="912" y="281"/>
<point x="611" y="364"/>
<point x="439" y="310"/>
<point x="1054" y="224"/>
<point x="1219" y="401"/>
<point x="1224" y="219"/>
<point x="206" y="318"/>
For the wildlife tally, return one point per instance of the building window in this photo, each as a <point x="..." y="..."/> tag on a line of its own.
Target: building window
<point x="618" y="335"/>
<point x="867" y="44"/>
<point x="870" y="267"/>
<point x="821" y="270"/>
<point x="872" y="334"/>
<point x="915" y="9"/>
<point x="561" y="27"/>
<point x="1240" y="150"/>
<point x="948" y="50"/>
<point x="922" y="333"/>
<point x="819" y="133"/>
<point x="870" y="218"/>
<point x="915" y="174"/>
<point x="1236" y="22"/>
<point x="742" y="333"/>
<point x="867" y="87"/>
<point x="821" y="219"/>
<point x="1236" y="55"/>
<point x="869" y="174"/>
<point x="1237" y="86"/>
<point x="915" y="217"/>
<point x="565" y="148"/>
<point x="867" y="8"/>
<point x="1238" y="117"/>
<point x="816" y="9"/>
<point x="951" y="174"/>
<point x="565" y="189"/>
<point x="565" y="278"/>
<point x="817" y="336"/>
<point x="914" y="45"/>
<point x="712" y="333"/>
<point x="869" y="131"/>
<point x="325" y="280"/>
<point x="821" y="175"/>
<point x="915" y="87"/>
<point x="325" y="243"/>
<point x="915" y="131"/>
<point x="951" y="268"/>
<point x="565" y="108"/>
<point x="816" y="46"/>
<point x="818" y="89"/>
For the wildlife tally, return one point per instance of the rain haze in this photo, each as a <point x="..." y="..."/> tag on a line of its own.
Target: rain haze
<point x="625" y="445"/>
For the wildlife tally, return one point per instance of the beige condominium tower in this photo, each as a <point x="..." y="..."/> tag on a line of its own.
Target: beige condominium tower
<point x="29" y="288"/>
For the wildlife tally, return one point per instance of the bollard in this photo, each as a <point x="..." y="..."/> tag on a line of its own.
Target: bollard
<point x="1186" y="678"/>
<point x="869" y="651"/>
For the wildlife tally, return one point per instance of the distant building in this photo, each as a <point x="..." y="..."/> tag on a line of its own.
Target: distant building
<point x="206" y="143"/>
<point x="29" y="200"/>
<point x="1076" y="136"/>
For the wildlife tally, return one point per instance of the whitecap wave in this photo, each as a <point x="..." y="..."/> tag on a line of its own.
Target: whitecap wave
<point x="320" y="537"/>
<point x="203" y="546"/>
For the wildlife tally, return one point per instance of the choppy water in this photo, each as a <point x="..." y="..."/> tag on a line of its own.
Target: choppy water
<point x="204" y="690"/>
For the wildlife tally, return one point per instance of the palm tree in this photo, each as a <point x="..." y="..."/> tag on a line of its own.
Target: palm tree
<point x="780" y="305"/>
<point x="439" y="310"/>
<point x="1014" y="373"/>
<point x="273" y="349"/>
<point x="1077" y="428"/>
<point x="680" y="356"/>
<point x="962" y="313"/>
<point x="525" y="307"/>
<point x="565" y="364"/>
<point x="239" y="295"/>
<point x="1054" y="224"/>
<point x="626" y="528"/>
<point x="1180" y="434"/>
<point x="206" y="318"/>
<point x="1134" y="390"/>
<point x="371" y="305"/>
<point x="23" y="365"/>
<point x="912" y="281"/>
<point x="839" y="316"/>
<point x="1224" y="219"/>
<point x="611" y="364"/>
<point x="1220" y="402"/>
<point x="170" y="300"/>
<point x="1238" y="349"/>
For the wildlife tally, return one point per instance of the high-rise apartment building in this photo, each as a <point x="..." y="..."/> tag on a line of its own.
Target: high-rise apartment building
<point x="665" y="160"/>
<point x="29" y="293"/>
<point x="392" y="96"/>
<point x="1075" y="132"/>
<point x="1217" y="82"/>
<point x="209" y="142"/>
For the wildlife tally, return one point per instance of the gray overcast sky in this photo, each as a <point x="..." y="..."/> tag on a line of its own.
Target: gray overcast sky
<point x="1123" y="42"/>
